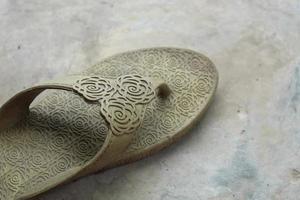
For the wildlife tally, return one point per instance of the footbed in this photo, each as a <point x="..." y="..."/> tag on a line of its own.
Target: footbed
<point x="63" y="131"/>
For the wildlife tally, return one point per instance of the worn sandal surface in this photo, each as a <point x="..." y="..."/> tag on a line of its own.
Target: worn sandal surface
<point x="123" y="109"/>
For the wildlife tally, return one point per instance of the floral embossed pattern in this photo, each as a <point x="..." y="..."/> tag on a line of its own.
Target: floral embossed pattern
<point x="191" y="76"/>
<point x="64" y="131"/>
<point x="60" y="133"/>
<point x="118" y="99"/>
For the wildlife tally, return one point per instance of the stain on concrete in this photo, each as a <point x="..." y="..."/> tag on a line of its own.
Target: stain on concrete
<point x="240" y="176"/>
<point x="295" y="86"/>
<point x="295" y="174"/>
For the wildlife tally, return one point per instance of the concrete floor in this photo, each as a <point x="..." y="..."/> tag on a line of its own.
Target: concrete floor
<point x="248" y="144"/>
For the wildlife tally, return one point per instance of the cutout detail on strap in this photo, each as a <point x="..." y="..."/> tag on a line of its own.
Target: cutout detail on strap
<point x="119" y="99"/>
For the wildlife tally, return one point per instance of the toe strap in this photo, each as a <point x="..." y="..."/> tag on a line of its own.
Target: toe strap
<point x="120" y="99"/>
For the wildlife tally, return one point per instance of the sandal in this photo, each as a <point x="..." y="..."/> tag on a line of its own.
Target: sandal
<point x="125" y="108"/>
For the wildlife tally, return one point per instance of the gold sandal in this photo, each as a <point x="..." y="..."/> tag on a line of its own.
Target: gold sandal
<point x="125" y="108"/>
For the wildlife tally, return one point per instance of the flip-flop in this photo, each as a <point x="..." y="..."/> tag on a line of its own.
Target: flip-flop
<point x="125" y="108"/>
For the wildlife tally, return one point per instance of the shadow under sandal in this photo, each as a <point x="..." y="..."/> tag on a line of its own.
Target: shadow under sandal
<point x="125" y="108"/>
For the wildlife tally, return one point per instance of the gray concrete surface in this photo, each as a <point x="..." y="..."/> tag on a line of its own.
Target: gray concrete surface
<point x="248" y="144"/>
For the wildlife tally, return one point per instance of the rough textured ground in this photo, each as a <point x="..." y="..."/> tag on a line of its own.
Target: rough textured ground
<point x="248" y="144"/>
